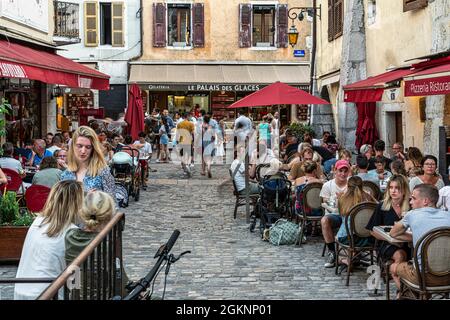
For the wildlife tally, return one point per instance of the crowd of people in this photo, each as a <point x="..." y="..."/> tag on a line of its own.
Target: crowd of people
<point x="415" y="195"/>
<point x="76" y="166"/>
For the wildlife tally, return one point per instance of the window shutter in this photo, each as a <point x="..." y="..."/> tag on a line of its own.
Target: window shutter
<point x="199" y="25"/>
<point x="90" y="24"/>
<point x="338" y="18"/>
<point x="117" y="24"/>
<point x="245" y="24"/>
<point x="159" y="25"/>
<point x="409" y="5"/>
<point x="330" y="20"/>
<point x="282" y="26"/>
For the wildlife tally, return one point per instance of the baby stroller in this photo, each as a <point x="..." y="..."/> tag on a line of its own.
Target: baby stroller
<point x="274" y="201"/>
<point x="127" y="172"/>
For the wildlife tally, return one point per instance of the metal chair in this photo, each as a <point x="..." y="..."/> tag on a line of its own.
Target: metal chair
<point x="240" y="197"/>
<point x="36" y="196"/>
<point x="355" y="225"/>
<point x="310" y="200"/>
<point x="433" y="252"/>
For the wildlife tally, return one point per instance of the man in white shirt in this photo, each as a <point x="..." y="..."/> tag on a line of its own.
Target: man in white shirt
<point x="238" y="172"/>
<point x="242" y="128"/>
<point x="330" y="193"/>
<point x="8" y="162"/>
<point x="145" y="154"/>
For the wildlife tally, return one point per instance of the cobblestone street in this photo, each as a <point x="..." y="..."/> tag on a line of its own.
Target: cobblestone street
<point x="227" y="261"/>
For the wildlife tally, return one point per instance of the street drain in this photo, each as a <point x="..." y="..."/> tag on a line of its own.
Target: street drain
<point x="192" y="216"/>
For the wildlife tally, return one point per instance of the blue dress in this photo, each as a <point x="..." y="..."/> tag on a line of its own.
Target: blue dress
<point x="164" y="138"/>
<point x="104" y="181"/>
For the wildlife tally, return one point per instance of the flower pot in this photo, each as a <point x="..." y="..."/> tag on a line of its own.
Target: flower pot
<point x="11" y="243"/>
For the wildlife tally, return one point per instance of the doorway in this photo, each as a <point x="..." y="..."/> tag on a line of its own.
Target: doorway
<point x="394" y="129"/>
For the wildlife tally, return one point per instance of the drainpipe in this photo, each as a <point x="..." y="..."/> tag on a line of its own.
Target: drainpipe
<point x="313" y="58"/>
<point x="141" y="9"/>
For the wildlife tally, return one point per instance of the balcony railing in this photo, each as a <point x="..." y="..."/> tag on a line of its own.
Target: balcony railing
<point x="66" y="19"/>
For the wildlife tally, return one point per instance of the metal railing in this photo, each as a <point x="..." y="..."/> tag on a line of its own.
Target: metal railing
<point x="66" y="19"/>
<point x="96" y="274"/>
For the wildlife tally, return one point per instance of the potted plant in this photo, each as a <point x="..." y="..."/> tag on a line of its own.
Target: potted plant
<point x="299" y="129"/>
<point x="14" y="224"/>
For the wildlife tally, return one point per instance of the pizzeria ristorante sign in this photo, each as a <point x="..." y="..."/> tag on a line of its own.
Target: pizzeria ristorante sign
<point x="427" y="87"/>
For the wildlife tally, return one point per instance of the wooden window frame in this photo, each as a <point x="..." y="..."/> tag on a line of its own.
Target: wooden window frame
<point x="409" y="5"/>
<point x="86" y="30"/>
<point x="335" y="30"/>
<point x="273" y="41"/>
<point x="113" y="18"/>
<point x="190" y="30"/>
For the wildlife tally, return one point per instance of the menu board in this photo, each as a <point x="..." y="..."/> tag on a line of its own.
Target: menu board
<point x="220" y="100"/>
<point x="302" y="112"/>
<point x="78" y="101"/>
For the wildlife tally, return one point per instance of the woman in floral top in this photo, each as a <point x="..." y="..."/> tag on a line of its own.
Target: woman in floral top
<point x="86" y="163"/>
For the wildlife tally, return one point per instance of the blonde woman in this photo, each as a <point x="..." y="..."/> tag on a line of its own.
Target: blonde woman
<point x="87" y="164"/>
<point x="390" y="210"/>
<point x="43" y="250"/>
<point x="354" y="195"/>
<point x="98" y="209"/>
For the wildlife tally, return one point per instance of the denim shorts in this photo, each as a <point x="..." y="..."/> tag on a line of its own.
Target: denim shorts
<point x="335" y="220"/>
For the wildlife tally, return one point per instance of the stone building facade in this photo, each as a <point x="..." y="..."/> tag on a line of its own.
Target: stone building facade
<point x="378" y="36"/>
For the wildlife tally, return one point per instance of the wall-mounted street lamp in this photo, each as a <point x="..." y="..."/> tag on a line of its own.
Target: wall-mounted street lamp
<point x="56" y="92"/>
<point x="299" y="13"/>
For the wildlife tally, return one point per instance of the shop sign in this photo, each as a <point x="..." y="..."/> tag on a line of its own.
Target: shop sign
<point x="213" y="87"/>
<point x="223" y="87"/>
<point x="428" y="87"/>
<point x="10" y="70"/>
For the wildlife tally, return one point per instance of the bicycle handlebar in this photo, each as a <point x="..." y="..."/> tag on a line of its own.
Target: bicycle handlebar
<point x="162" y="253"/>
<point x="172" y="240"/>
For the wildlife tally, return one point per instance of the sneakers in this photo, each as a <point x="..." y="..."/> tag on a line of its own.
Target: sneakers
<point x="331" y="260"/>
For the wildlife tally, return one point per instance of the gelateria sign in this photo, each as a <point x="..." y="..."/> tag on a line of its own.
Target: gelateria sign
<point x="427" y="87"/>
<point x="212" y="87"/>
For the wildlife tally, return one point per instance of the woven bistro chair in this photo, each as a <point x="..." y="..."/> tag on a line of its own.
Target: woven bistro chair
<point x="359" y="217"/>
<point x="434" y="251"/>
<point x="372" y="188"/>
<point x="240" y="197"/>
<point x="311" y="200"/>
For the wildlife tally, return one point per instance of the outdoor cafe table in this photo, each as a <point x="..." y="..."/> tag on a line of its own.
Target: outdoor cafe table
<point x="30" y="172"/>
<point x="382" y="232"/>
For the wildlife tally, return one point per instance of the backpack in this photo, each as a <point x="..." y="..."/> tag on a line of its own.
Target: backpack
<point x="283" y="232"/>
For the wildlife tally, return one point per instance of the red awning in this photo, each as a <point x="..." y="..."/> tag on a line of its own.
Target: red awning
<point x="19" y="61"/>
<point x="431" y="81"/>
<point x="277" y="93"/>
<point x="371" y="89"/>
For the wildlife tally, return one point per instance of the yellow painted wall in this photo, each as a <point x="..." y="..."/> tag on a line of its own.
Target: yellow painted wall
<point x="328" y="53"/>
<point x="222" y="36"/>
<point x="396" y="36"/>
<point x="31" y="32"/>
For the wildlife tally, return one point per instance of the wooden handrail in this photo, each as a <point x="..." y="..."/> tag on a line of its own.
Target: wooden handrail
<point x="59" y="282"/>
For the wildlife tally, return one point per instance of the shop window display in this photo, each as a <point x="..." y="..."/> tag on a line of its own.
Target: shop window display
<point x="23" y="124"/>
